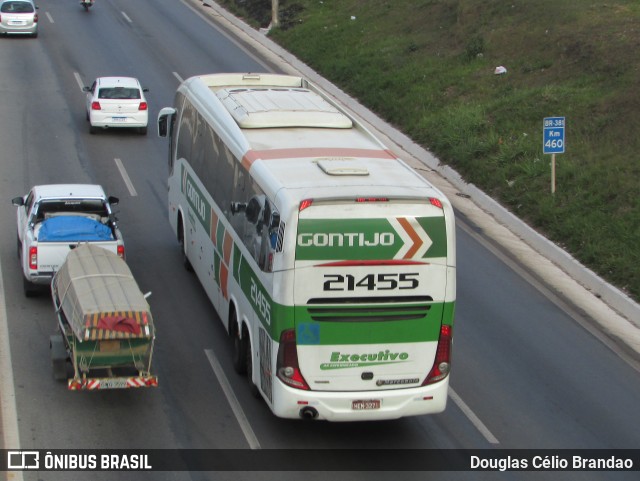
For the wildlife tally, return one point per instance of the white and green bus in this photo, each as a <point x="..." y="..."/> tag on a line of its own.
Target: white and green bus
<point x="330" y="261"/>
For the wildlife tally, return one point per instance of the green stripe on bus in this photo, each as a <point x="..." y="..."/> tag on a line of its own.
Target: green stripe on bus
<point x="367" y="239"/>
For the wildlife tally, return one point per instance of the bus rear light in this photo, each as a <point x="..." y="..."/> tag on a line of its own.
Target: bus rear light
<point x="95" y="105"/>
<point x="442" y="362"/>
<point x="287" y="368"/>
<point x="33" y="257"/>
<point x="121" y="251"/>
<point x="435" y="202"/>
<point x="304" y="204"/>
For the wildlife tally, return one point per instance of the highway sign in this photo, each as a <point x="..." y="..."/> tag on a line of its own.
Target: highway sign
<point x="553" y="138"/>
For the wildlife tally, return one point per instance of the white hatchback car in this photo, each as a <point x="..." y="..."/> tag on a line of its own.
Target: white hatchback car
<point x="117" y="102"/>
<point x="19" y="17"/>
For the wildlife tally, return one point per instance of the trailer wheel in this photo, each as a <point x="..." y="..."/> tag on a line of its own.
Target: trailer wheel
<point x="58" y="357"/>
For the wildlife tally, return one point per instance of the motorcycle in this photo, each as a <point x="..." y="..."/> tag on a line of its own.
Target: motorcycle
<point x="86" y="4"/>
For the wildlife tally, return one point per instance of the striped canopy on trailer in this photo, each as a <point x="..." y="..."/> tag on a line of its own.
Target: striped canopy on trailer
<point x="100" y="298"/>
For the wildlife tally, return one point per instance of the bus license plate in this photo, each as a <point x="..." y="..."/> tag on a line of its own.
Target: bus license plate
<point x="365" y="405"/>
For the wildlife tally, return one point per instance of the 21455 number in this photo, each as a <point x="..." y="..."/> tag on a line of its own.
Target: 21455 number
<point x="371" y="282"/>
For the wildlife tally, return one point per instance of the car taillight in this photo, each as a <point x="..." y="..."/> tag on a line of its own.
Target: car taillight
<point x="121" y="251"/>
<point x="287" y="368"/>
<point x="35" y="18"/>
<point x="142" y="106"/>
<point x="33" y="257"/>
<point x="95" y="105"/>
<point x="442" y="363"/>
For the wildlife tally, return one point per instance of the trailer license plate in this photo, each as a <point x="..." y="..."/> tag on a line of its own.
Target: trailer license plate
<point x="113" y="383"/>
<point x="365" y="404"/>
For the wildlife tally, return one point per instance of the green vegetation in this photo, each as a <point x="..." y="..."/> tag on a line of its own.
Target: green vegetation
<point x="427" y="67"/>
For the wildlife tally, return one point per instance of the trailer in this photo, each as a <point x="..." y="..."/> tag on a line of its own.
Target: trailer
<point x="105" y="329"/>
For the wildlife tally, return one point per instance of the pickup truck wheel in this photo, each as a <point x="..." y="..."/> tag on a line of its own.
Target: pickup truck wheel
<point x="30" y="289"/>
<point x="253" y="389"/>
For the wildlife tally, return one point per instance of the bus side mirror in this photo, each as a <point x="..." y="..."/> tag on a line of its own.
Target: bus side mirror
<point x="165" y="118"/>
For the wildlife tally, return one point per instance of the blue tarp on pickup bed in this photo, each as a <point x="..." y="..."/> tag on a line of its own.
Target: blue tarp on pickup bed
<point x="73" y="228"/>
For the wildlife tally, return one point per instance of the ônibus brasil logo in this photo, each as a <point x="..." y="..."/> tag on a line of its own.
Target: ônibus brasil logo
<point x="342" y="360"/>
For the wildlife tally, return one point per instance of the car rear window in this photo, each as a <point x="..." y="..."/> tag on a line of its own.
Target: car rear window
<point x="88" y="206"/>
<point x="16" y="7"/>
<point x="119" y="93"/>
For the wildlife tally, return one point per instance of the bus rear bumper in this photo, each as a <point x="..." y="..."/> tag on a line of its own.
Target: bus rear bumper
<point x="359" y="406"/>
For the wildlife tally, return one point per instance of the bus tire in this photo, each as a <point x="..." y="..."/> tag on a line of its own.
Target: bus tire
<point x="239" y="349"/>
<point x="183" y="248"/>
<point x="253" y="389"/>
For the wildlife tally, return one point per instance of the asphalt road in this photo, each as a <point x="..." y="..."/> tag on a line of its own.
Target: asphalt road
<point x="526" y="374"/>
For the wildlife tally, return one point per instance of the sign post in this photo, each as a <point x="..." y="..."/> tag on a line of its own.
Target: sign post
<point x="553" y="143"/>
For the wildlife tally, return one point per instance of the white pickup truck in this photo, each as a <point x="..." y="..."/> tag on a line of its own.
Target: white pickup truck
<point x="53" y="219"/>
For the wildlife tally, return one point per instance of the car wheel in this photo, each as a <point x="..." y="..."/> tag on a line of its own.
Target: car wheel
<point x="142" y="131"/>
<point x="92" y="129"/>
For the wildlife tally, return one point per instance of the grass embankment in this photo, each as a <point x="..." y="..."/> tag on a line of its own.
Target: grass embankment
<point x="427" y="67"/>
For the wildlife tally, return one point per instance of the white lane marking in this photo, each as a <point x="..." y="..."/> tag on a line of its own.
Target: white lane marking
<point x="125" y="177"/>
<point x="126" y="17"/>
<point x="233" y="400"/>
<point x="8" y="411"/>
<point x="49" y="17"/>
<point x="79" y="80"/>
<point x="475" y="420"/>
<point x="176" y="75"/>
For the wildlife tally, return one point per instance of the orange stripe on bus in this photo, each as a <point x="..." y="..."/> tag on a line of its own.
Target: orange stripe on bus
<point x="417" y="242"/>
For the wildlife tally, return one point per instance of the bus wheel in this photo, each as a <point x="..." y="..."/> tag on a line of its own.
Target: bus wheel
<point x="183" y="248"/>
<point x="239" y="351"/>
<point x="253" y="389"/>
